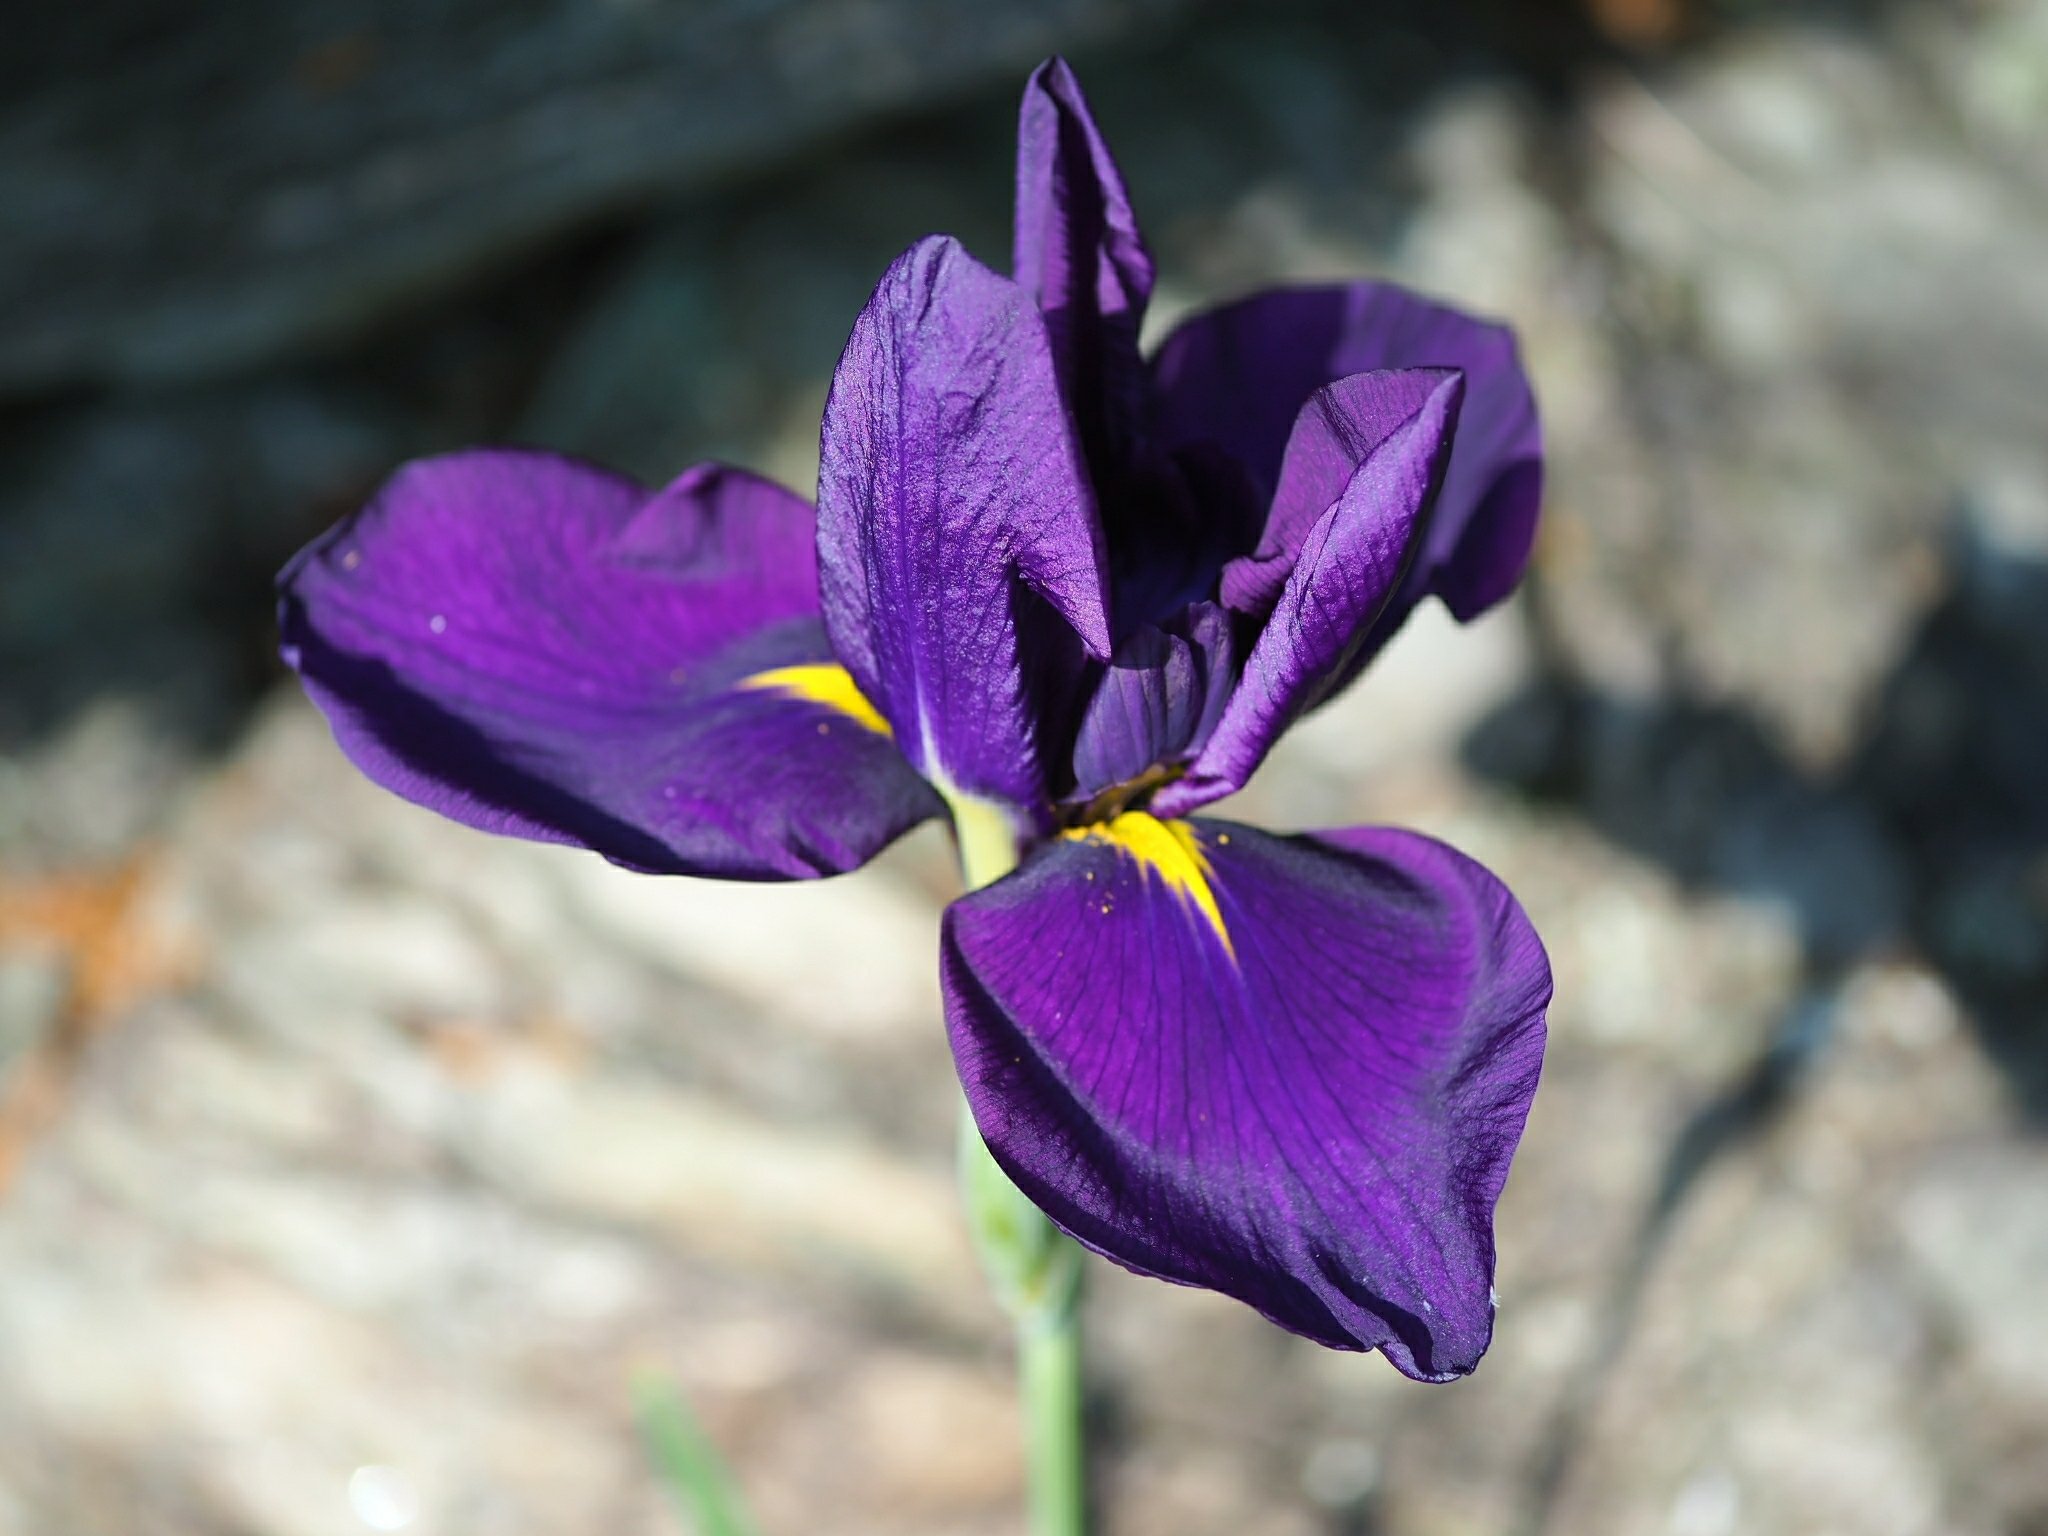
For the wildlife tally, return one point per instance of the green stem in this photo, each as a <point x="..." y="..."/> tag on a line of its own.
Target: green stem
<point x="1034" y="1269"/>
<point x="1049" y="1377"/>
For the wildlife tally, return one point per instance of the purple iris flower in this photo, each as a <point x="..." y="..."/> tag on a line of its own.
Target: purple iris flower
<point x="1068" y="596"/>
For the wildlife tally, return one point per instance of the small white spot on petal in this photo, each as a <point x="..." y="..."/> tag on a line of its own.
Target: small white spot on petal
<point x="383" y="1498"/>
<point x="438" y="623"/>
<point x="350" y="559"/>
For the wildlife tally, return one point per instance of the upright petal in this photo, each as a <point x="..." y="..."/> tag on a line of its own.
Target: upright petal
<point x="1157" y="700"/>
<point x="1238" y="375"/>
<point x="1293" y="1070"/>
<point x="960" y="558"/>
<point x="536" y="647"/>
<point x="1079" y="255"/>
<point x="1395" y="429"/>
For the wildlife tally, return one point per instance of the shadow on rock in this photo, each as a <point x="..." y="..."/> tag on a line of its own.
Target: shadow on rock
<point x="1933" y="834"/>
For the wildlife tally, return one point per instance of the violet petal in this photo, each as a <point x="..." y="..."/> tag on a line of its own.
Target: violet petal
<point x="960" y="560"/>
<point x="534" y="646"/>
<point x="1079" y="254"/>
<point x="1350" y="565"/>
<point x="1293" y="1070"/>
<point x="1237" y="376"/>
<point x="1158" y="699"/>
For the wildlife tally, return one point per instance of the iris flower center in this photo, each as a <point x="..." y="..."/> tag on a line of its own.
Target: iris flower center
<point x="1133" y="794"/>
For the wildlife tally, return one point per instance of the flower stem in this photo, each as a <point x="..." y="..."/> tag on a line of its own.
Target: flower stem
<point x="1034" y="1268"/>
<point x="1035" y="1271"/>
<point x="1049" y="1378"/>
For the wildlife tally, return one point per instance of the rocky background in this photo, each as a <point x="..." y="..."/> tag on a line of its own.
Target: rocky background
<point x="351" y="1164"/>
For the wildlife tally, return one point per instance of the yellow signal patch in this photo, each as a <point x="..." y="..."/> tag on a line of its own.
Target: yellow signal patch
<point x="824" y="683"/>
<point x="1168" y="849"/>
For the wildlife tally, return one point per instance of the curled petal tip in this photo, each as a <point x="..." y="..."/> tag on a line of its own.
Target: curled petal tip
<point x="1235" y="377"/>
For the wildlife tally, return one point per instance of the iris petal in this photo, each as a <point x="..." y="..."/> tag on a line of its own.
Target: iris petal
<point x="1157" y="700"/>
<point x="1293" y="1070"/>
<point x="1079" y="254"/>
<point x="533" y="646"/>
<point x="1236" y="377"/>
<point x="1396" y="429"/>
<point x="961" y="562"/>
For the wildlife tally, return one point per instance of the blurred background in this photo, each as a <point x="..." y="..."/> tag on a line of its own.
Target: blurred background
<point x="350" y="1162"/>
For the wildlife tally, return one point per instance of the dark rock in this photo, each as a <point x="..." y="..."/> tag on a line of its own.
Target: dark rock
<point x="180" y="199"/>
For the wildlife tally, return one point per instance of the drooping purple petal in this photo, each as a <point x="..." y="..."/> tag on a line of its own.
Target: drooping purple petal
<point x="1158" y="699"/>
<point x="1236" y="376"/>
<point x="1293" y="1070"/>
<point x="1396" y="429"/>
<point x="1079" y="255"/>
<point x="537" y="647"/>
<point x="961" y="564"/>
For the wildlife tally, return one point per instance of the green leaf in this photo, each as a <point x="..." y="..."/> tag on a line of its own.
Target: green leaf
<point x="686" y="1461"/>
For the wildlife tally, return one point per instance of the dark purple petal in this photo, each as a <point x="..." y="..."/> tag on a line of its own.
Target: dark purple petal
<point x="1237" y="376"/>
<point x="960" y="557"/>
<point x="540" y="648"/>
<point x="1079" y="255"/>
<point x="1293" y="1070"/>
<point x="1396" y="428"/>
<point x="1178" y="520"/>
<point x="1157" y="700"/>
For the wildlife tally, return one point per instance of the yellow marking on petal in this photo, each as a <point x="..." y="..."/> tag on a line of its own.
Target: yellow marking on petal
<point x="1168" y="849"/>
<point x="826" y="683"/>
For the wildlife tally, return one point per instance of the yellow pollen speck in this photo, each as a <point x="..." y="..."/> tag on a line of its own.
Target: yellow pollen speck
<point x="1168" y="849"/>
<point x="824" y="683"/>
